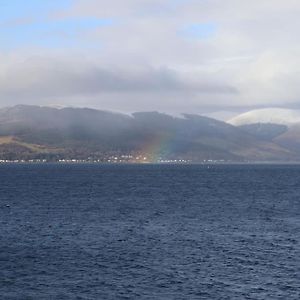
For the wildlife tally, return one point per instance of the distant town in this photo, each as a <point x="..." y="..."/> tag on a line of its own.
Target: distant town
<point x="122" y="159"/>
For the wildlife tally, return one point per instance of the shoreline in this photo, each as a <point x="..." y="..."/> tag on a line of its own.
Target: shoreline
<point x="147" y="163"/>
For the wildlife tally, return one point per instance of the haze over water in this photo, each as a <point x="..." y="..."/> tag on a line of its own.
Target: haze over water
<point x="149" y="232"/>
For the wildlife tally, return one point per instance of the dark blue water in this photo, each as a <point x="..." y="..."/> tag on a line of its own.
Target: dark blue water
<point x="149" y="232"/>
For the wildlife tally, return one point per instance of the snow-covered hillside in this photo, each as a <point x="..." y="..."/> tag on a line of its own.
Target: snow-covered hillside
<point x="283" y="116"/>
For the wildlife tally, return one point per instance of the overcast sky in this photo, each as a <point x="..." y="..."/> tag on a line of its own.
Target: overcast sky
<point x="174" y="56"/>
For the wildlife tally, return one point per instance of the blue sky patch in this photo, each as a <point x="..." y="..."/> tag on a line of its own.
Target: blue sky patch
<point x="50" y="33"/>
<point x="12" y="9"/>
<point x="199" y="30"/>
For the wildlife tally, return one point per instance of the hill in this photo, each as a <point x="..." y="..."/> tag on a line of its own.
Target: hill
<point x="30" y="132"/>
<point x="280" y="116"/>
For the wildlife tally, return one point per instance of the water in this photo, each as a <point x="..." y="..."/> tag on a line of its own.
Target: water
<point x="149" y="232"/>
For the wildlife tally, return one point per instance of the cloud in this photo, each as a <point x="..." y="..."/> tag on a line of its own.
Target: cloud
<point x="38" y="78"/>
<point x="178" y="56"/>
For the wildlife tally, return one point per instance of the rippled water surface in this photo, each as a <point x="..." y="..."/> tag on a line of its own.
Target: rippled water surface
<point x="149" y="232"/>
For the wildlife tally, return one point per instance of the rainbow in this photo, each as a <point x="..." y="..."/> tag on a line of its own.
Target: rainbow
<point x="157" y="147"/>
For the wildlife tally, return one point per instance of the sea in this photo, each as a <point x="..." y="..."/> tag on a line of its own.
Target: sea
<point x="92" y="231"/>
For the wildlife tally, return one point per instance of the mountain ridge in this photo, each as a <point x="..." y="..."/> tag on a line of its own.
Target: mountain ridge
<point x="39" y="132"/>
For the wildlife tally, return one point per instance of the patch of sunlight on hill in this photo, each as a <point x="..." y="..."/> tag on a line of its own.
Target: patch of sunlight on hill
<point x="11" y="140"/>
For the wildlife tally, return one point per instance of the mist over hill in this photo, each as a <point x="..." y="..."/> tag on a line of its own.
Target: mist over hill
<point x="279" y="116"/>
<point x="34" y="132"/>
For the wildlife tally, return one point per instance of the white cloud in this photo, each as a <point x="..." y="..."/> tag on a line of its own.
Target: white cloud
<point x="251" y="60"/>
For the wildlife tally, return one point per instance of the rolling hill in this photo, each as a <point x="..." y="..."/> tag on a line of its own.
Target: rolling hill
<point x="29" y="132"/>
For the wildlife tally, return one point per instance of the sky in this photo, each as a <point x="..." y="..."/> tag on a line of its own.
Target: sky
<point x="215" y="57"/>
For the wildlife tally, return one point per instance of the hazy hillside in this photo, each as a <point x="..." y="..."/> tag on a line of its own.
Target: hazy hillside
<point x="290" y="138"/>
<point x="32" y="131"/>
<point x="276" y="125"/>
<point x="265" y="131"/>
